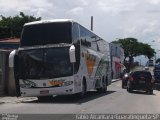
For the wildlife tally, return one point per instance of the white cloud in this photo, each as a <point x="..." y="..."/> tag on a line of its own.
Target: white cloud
<point x="27" y="6"/>
<point x="155" y="2"/>
<point x="116" y="6"/>
<point x="112" y="18"/>
<point x="76" y="11"/>
<point x="151" y="27"/>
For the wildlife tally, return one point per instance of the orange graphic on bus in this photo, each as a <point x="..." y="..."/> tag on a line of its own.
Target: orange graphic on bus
<point x="90" y="62"/>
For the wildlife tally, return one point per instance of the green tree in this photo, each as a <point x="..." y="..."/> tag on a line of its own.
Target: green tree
<point x="146" y="50"/>
<point x="133" y="48"/>
<point x="12" y="26"/>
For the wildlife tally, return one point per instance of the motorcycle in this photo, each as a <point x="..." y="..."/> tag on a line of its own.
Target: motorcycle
<point x="125" y="78"/>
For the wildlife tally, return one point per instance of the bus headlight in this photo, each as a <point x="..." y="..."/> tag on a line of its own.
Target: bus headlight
<point x="29" y="84"/>
<point x="67" y="83"/>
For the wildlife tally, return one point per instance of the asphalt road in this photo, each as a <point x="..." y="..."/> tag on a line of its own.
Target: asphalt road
<point x="115" y="100"/>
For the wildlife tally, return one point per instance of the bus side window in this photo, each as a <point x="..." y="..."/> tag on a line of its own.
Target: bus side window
<point x="76" y="42"/>
<point x="75" y="33"/>
<point x="85" y="37"/>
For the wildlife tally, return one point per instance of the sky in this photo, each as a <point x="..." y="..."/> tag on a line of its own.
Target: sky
<point x="113" y="19"/>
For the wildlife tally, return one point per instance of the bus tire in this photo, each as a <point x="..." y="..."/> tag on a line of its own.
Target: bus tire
<point x="106" y="84"/>
<point x="84" y="89"/>
<point x="103" y="89"/>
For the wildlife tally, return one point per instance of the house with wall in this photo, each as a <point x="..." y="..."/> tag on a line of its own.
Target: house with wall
<point x="6" y="46"/>
<point x="117" y="57"/>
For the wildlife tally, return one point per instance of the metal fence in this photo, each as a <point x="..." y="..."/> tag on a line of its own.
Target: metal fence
<point x="4" y="74"/>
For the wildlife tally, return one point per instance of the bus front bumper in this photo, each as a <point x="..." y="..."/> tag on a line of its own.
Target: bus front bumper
<point x="34" y="92"/>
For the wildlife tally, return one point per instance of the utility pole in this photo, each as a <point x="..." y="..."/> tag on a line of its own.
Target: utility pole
<point x="91" y="23"/>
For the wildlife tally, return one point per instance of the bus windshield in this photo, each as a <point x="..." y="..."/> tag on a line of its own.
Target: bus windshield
<point x="44" y="63"/>
<point x="49" y="33"/>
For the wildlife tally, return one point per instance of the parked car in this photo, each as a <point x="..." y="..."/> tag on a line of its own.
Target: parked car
<point x="150" y="62"/>
<point x="140" y="80"/>
<point x="125" y="78"/>
<point x="156" y="72"/>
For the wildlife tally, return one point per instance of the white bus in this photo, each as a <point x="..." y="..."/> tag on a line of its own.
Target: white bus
<point x="60" y="57"/>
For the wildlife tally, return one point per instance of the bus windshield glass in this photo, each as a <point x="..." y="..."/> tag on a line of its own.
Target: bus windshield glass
<point x="44" y="63"/>
<point x="42" y="34"/>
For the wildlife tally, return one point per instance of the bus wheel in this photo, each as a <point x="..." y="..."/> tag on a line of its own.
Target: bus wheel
<point x="105" y="83"/>
<point x="104" y="86"/>
<point x="45" y="98"/>
<point x="84" y="89"/>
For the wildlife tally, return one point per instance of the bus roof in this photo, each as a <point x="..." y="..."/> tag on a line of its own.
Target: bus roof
<point x="54" y="21"/>
<point x="48" y="21"/>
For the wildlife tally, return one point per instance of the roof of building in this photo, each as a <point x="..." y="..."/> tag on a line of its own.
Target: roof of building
<point x="9" y="43"/>
<point x="10" y="40"/>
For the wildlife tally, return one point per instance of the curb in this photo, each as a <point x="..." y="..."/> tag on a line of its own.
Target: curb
<point x="15" y="100"/>
<point x="115" y="80"/>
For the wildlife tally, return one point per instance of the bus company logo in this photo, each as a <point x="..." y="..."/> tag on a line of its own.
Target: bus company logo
<point x="56" y="82"/>
<point x="90" y="62"/>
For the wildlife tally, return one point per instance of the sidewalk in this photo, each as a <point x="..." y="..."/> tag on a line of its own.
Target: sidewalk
<point x="114" y="80"/>
<point x="10" y="99"/>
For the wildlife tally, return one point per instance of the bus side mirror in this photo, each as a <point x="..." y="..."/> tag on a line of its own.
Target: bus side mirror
<point x="72" y="54"/>
<point x="11" y="58"/>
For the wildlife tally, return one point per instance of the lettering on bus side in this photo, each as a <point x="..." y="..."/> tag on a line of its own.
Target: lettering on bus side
<point x="56" y="82"/>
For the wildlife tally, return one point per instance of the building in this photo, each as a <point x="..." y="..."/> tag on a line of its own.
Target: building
<point x="117" y="57"/>
<point x="6" y="46"/>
